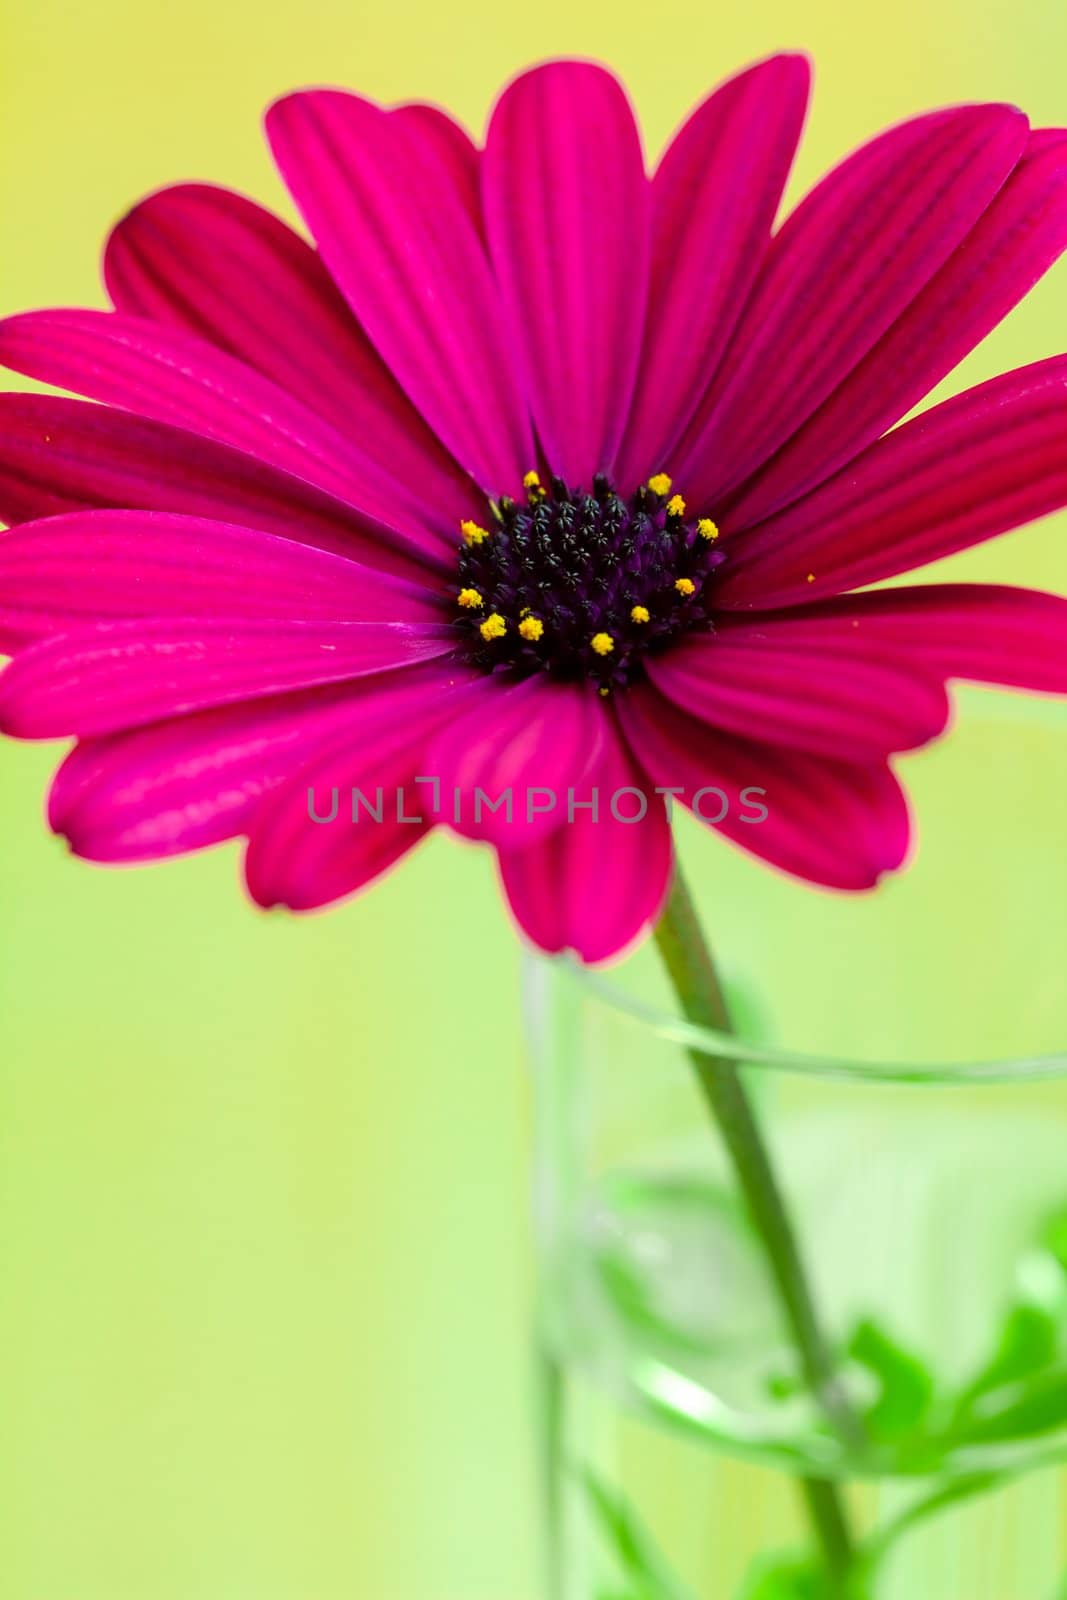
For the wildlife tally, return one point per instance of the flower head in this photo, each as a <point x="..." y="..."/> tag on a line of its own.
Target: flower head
<point x="566" y="488"/>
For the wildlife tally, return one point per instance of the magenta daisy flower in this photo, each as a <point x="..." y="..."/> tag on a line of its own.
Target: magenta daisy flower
<point x="533" y="475"/>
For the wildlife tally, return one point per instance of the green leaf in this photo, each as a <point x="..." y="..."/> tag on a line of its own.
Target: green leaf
<point x="1028" y="1342"/>
<point x="704" y="1288"/>
<point x="793" y="1579"/>
<point x="646" y="1570"/>
<point x="1022" y="1389"/>
<point x="1032" y="1336"/>
<point x="906" y="1386"/>
<point x="1017" y="1411"/>
<point x="788" y="1580"/>
<point x="1054" y="1238"/>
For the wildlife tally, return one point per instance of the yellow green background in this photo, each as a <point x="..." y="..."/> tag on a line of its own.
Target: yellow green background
<point x="264" y="1258"/>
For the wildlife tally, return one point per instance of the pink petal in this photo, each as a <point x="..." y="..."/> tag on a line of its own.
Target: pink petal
<point x="979" y="464"/>
<point x="830" y="822"/>
<point x="984" y="632"/>
<point x="566" y="209"/>
<point x="175" y="377"/>
<point x="60" y="455"/>
<point x="714" y="199"/>
<point x="1011" y="246"/>
<point x="217" y="265"/>
<point x="517" y="739"/>
<point x="103" y="566"/>
<point x="298" y="862"/>
<point x="190" y="782"/>
<point x="392" y="221"/>
<point x="807" y="685"/>
<point x="122" y="674"/>
<point x="454" y="149"/>
<point x="844" y="266"/>
<point x="595" y="886"/>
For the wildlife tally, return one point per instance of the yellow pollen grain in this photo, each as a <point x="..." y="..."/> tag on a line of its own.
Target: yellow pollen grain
<point x="470" y="599"/>
<point x="494" y="627"/>
<point x="602" y="643"/>
<point x="707" y="529"/>
<point x="660" y="483"/>
<point x="640" y="614"/>
<point x="535" y="489"/>
<point x="472" y="533"/>
<point x="603" y="692"/>
<point x="531" y="628"/>
<point x="685" y="586"/>
<point x="811" y="577"/>
<point x="676" y="506"/>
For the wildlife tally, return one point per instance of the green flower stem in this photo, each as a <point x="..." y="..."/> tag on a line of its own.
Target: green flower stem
<point x="689" y="963"/>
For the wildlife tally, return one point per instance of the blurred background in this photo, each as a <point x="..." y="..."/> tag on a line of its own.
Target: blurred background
<point x="266" y="1262"/>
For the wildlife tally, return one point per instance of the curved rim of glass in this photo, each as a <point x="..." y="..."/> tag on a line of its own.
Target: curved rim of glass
<point x="746" y="1052"/>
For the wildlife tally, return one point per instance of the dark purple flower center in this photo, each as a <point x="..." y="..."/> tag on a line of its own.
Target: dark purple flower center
<point x="581" y="585"/>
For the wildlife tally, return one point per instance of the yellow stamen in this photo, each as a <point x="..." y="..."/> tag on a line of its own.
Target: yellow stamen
<point x="602" y="643"/>
<point x="707" y="529"/>
<point x="470" y="599"/>
<point x="676" y="506"/>
<point x="686" y="586"/>
<point x="603" y="692"/>
<point x="640" y="614"/>
<point x="660" y="483"/>
<point x="494" y="627"/>
<point x="531" y="628"/>
<point x="472" y="533"/>
<point x="533" y="486"/>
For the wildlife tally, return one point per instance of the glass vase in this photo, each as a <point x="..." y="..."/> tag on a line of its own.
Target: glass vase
<point x="930" y="1200"/>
